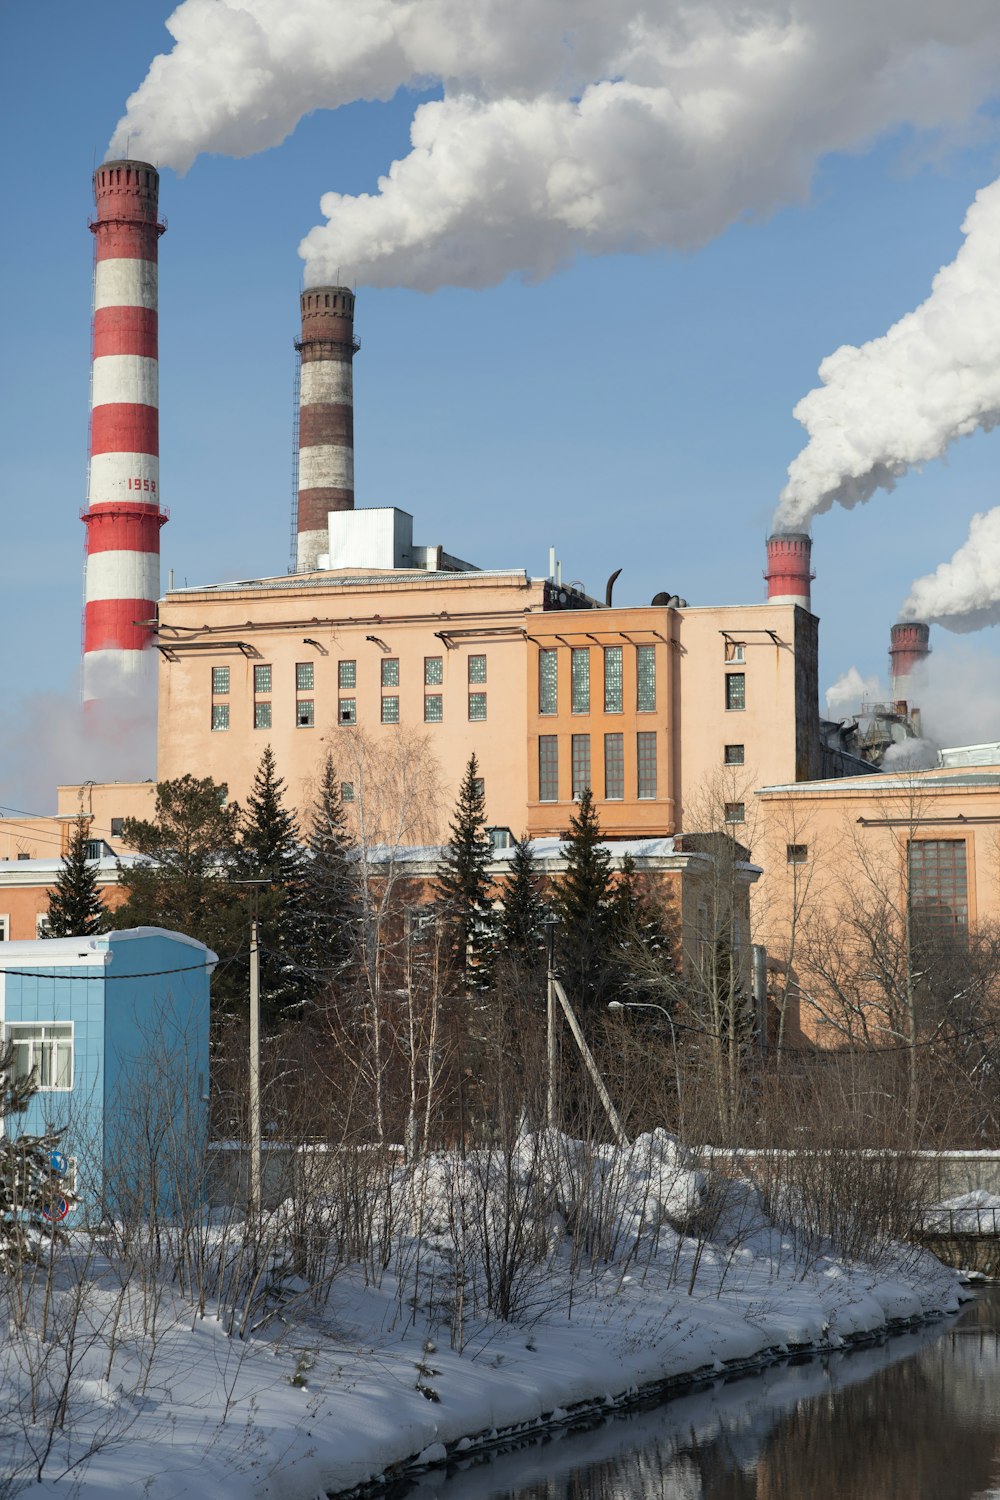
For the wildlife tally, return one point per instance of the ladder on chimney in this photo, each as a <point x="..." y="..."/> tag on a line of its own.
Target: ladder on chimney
<point x="293" y="559"/>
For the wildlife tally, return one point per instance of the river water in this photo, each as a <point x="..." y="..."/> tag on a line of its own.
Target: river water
<point x="915" y="1418"/>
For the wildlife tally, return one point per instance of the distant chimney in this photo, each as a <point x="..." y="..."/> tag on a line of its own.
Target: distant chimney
<point x="788" y="573"/>
<point x="909" y="645"/>
<point x="326" y="416"/>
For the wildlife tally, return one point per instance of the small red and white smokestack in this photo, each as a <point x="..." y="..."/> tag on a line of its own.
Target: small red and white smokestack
<point x="788" y="569"/>
<point x="326" y="416"/>
<point x="909" y="647"/>
<point x="123" y="516"/>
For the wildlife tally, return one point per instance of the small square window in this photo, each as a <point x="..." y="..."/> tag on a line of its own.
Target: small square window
<point x="220" y="718"/>
<point x="305" y="675"/>
<point x="347" y="791"/>
<point x="736" y="691"/>
<point x="735" y="812"/>
<point x="390" y="671"/>
<point x="433" y="671"/>
<point x="348" y="711"/>
<point x="477" y="705"/>
<point x="734" y="755"/>
<point x="305" y="713"/>
<point x="478" y="786"/>
<point x="433" y="708"/>
<point x="477" y="668"/>
<point x="390" y="710"/>
<point x="735" y="652"/>
<point x="117" y="827"/>
<point x="347" y="674"/>
<point x="220" y="680"/>
<point x="262" y="679"/>
<point x="261" y="715"/>
<point x="797" y="854"/>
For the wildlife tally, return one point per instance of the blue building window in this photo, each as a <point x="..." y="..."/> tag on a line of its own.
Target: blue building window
<point x="45" y="1049"/>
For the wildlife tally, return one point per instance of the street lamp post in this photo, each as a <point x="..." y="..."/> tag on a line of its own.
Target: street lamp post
<point x="649" y="1005"/>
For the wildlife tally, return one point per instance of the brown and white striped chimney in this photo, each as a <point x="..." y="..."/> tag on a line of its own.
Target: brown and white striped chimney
<point x="909" y="647"/>
<point x="326" y="416"/>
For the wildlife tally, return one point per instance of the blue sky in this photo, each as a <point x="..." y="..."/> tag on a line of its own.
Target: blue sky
<point x="635" y="411"/>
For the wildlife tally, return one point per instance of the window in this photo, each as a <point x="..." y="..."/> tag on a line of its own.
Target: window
<point x="433" y="708"/>
<point x="24" y="855"/>
<point x="433" y="671"/>
<point x="500" y="838"/>
<point x="220" y="720"/>
<point x="390" y="671"/>
<point x="45" y="1049"/>
<point x="347" y="791"/>
<point x="477" y="705"/>
<point x="736" y="690"/>
<point x="645" y="669"/>
<point x="580" y="680"/>
<point x="93" y="849"/>
<point x="612" y="679"/>
<point x="735" y="812"/>
<point x="42" y="924"/>
<point x="939" y="892"/>
<point x="262" y="679"/>
<point x="547" y="681"/>
<point x="735" y="652"/>
<point x="347" y="712"/>
<point x="262" y="716"/>
<point x="304" y="677"/>
<point x="305" y="713"/>
<point x="117" y="827"/>
<point x="734" y="755"/>
<point x="390" y="710"/>
<point x="4" y="928"/>
<point x="645" y="751"/>
<point x="220" y="680"/>
<point x="796" y="854"/>
<point x="614" y="767"/>
<point x="548" y="767"/>
<point x="477" y="668"/>
<point x="478" y="786"/>
<point x="581" y="764"/>
<point x="347" y="674"/>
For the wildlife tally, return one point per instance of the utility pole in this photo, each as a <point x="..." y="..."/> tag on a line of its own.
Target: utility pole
<point x="550" y="1025"/>
<point x="255" y="1193"/>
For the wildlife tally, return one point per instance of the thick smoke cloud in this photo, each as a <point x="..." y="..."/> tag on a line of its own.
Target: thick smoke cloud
<point x="577" y="126"/>
<point x="901" y="399"/>
<point x="963" y="594"/>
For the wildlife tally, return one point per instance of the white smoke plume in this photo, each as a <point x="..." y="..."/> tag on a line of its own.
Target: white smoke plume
<point x="574" y="126"/>
<point x="901" y="399"/>
<point x="845" y="697"/>
<point x="963" y="594"/>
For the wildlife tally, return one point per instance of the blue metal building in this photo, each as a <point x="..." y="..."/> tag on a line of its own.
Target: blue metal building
<point x="116" y="1030"/>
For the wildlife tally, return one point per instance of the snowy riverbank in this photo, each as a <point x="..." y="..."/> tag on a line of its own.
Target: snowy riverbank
<point x="371" y="1381"/>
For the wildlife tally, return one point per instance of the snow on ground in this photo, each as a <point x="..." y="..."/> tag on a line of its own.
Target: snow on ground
<point x="334" y="1396"/>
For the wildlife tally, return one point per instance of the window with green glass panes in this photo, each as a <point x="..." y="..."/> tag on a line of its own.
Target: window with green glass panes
<point x="433" y="671"/>
<point x="645" y="668"/>
<point x="612" y="679"/>
<point x="580" y="680"/>
<point x="477" y="668"/>
<point x="548" y="667"/>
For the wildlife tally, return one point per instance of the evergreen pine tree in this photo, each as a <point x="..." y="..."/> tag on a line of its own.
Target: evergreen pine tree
<point x="75" y="908"/>
<point x="184" y="880"/>
<point x="270" y="850"/>
<point x="583" y="902"/>
<point x="523" y="910"/>
<point x="28" y="1185"/>
<point x="329" y="908"/>
<point x="464" y="898"/>
<point x="641" y="947"/>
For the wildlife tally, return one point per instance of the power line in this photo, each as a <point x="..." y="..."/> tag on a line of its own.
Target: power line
<point x="112" y="978"/>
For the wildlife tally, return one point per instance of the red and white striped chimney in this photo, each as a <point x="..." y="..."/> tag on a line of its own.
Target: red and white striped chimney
<point x="788" y="569"/>
<point x="123" y="516"/>
<point x="326" y="416"/>
<point x="909" y="647"/>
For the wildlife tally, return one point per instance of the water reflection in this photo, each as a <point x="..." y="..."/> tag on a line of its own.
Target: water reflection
<point x="915" y="1419"/>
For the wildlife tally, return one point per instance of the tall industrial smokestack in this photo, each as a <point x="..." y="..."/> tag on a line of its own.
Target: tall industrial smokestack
<point x="326" y="416"/>
<point x="123" y="516"/>
<point x="909" y="646"/>
<point x="788" y="572"/>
